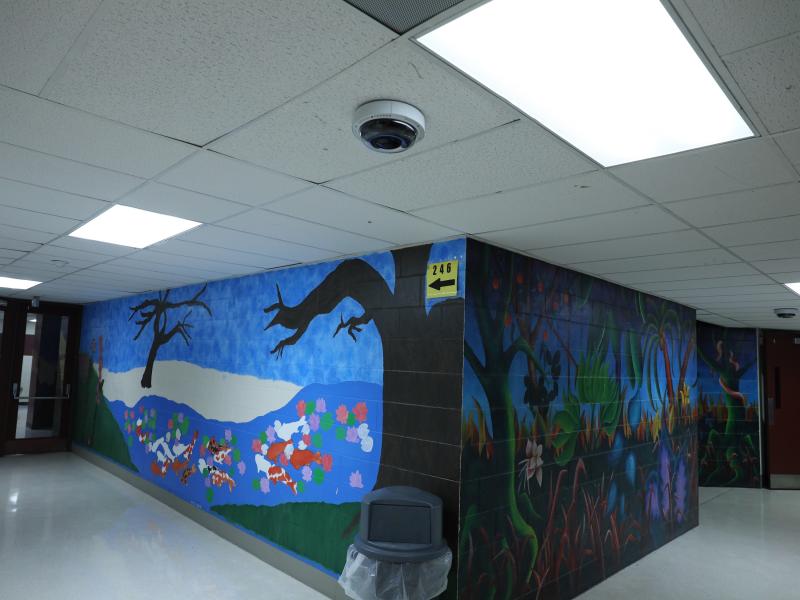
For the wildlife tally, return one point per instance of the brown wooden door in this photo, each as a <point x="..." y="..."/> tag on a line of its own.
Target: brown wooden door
<point x="782" y="375"/>
<point x="38" y="359"/>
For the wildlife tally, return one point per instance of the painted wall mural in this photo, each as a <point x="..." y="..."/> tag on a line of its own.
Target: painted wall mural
<point x="276" y="401"/>
<point x="727" y="372"/>
<point x="579" y="428"/>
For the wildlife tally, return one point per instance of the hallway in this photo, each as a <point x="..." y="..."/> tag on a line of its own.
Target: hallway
<point x="747" y="546"/>
<point x="71" y="531"/>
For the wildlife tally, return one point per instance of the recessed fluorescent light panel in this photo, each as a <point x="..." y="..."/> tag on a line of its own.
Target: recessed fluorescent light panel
<point x="795" y="287"/>
<point x="617" y="79"/>
<point x="134" y="227"/>
<point x="17" y="284"/>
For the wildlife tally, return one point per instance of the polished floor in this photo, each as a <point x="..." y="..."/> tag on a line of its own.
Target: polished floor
<point x="72" y="531"/>
<point x="746" y="547"/>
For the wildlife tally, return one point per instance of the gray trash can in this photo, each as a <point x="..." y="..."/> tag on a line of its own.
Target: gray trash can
<point x="399" y="552"/>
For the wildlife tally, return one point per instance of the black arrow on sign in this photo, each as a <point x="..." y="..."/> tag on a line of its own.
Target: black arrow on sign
<point x="440" y="283"/>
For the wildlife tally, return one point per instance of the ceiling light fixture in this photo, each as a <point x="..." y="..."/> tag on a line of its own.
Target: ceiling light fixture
<point x="17" y="284"/>
<point x="795" y="287"/>
<point x="618" y="80"/>
<point x="133" y="227"/>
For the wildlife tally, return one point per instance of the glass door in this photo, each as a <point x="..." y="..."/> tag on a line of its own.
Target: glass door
<point x="38" y="361"/>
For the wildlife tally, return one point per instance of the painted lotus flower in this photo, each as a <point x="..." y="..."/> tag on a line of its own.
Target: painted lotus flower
<point x="306" y="473"/>
<point x="301" y="408"/>
<point x="532" y="464"/>
<point x="360" y="411"/>
<point x="352" y="435"/>
<point x="255" y="446"/>
<point x="341" y="414"/>
<point x="327" y="462"/>
<point x="320" y="406"/>
<point x="313" y="422"/>
<point x="270" y="434"/>
<point x="355" y="480"/>
<point x="264" y="485"/>
<point x="241" y="467"/>
<point x="228" y="434"/>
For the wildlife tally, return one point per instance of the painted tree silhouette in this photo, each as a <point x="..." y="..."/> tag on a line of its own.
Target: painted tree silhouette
<point x="422" y="357"/>
<point x="154" y="310"/>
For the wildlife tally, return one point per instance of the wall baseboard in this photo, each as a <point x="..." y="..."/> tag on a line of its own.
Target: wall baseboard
<point x="784" y="482"/>
<point x="290" y="565"/>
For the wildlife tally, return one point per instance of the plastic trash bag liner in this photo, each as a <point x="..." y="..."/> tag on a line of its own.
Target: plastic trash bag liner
<point x="365" y="578"/>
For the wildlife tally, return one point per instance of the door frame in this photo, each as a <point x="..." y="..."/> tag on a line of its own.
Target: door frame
<point x="11" y="351"/>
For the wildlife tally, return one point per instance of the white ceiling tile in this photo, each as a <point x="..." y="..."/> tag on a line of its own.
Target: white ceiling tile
<point x="504" y="158"/>
<point x="778" y="265"/>
<point x="7" y="243"/>
<point x="775" y="201"/>
<point x="9" y="255"/>
<point x="769" y="251"/>
<point x="203" y="68"/>
<point x="69" y="254"/>
<point x="721" y="321"/>
<point x="45" y="200"/>
<point x="719" y="169"/>
<point x="220" y="237"/>
<point x="642" y="221"/>
<point x="589" y="194"/>
<point x="329" y="207"/>
<point x="736" y="24"/>
<point x="41" y="266"/>
<point x="189" y="264"/>
<point x="739" y="291"/>
<point x="790" y="143"/>
<point x="40" y="169"/>
<point x="74" y="243"/>
<point x="727" y="270"/>
<point x="707" y="283"/>
<point x="182" y="203"/>
<point x="48" y="127"/>
<point x="310" y="137"/>
<point x="15" y="217"/>
<point x="16" y="232"/>
<point x="757" y="232"/>
<point x="123" y="272"/>
<point x="35" y="35"/>
<point x="644" y="245"/>
<point x="787" y="277"/>
<point x="211" y="173"/>
<point x="192" y="250"/>
<point x="278" y="226"/>
<point x="716" y="256"/>
<point x="135" y="261"/>
<point x="769" y="76"/>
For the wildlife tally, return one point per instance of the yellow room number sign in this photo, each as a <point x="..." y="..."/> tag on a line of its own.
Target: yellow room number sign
<point x="442" y="279"/>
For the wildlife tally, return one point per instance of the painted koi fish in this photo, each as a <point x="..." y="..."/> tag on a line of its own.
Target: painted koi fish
<point x="278" y="448"/>
<point x="187" y="473"/>
<point x="219" y="451"/>
<point x="159" y="469"/>
<point x="275" y="473"/>
<point x="218" y="476"/>
<point x="301" y="458"/>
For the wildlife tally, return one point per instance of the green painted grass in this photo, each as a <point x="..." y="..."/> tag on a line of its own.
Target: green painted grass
<point x="318" y="531"/>
<point x="93" y="424"/>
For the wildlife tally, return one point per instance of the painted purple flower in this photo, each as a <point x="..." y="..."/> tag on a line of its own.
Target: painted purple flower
<point x="320" y="405"/>
<point x="152" y="412"/>
<point x="207" y="482"/>
<point x="307" y="473"/>
<point x="651" y="502"/>
<point x="680" y="492"/>
<point x="270" y="434"/>
<point x="228" y="434"/>
<point x="352" y="435"/>
<point x="180" y="417"/>
<point x="355" y="480"/>
<point x="313" y="422"/>
<point x="264" y="485"/>
<point x="241" y="467"/>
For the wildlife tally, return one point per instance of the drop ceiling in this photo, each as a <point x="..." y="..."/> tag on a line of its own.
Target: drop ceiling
<point x="239" y="117"/>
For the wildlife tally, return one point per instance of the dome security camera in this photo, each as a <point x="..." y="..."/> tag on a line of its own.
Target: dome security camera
<point x="786" y="313"/>
<point x="388" y="125"/>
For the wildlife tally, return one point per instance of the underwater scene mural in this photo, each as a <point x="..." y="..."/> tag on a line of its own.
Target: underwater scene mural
<point x="727" y="375"/>
<point x="579" y="427"/>
<point x="276" y="401"/>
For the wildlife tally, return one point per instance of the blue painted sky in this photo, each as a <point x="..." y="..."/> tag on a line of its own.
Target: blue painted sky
<point x="234" y="339"/>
